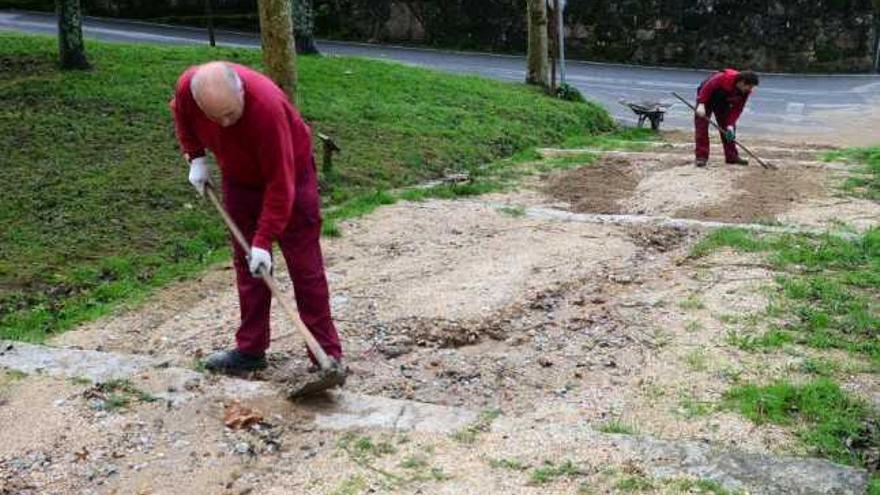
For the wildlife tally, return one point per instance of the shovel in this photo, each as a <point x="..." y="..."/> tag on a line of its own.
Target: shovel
<point x="331" y="373"/>
<point x="764" y="164"/>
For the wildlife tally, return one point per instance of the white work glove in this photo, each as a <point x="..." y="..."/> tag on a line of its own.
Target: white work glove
<point x="701" y="111"/>
<point x="199" y="175"/>
<point x="259" y="260"/>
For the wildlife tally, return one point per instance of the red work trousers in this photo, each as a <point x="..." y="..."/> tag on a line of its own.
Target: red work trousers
<point x="301" y="248"/>
<point x="701" y="133"/>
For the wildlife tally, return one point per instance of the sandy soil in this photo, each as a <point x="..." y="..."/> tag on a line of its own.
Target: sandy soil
<point x="461" y="303"/>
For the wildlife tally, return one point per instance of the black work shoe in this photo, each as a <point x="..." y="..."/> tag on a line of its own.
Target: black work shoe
<point x="234" y="362"/>
<point x="701" y="162"/>
<point x="739" y="161"/>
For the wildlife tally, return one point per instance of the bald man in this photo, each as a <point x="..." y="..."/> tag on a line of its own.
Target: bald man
<point x="264" y="152"/>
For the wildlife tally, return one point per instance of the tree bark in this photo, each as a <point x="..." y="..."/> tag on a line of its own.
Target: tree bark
<point x="552" y="42"/>
<point x="538" y="66"/>
<point x="209" y="13"/>
<point x="71" y="50"/>
<point x="279" y="50"/>
<point x="876" y="35"/>
<point x="304" y="27"/>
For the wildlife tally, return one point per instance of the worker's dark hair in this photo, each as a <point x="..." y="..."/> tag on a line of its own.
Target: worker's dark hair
<point x="747" y="77"/>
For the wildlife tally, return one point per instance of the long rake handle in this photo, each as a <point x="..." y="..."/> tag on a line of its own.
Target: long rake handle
<point x="292" y="313"/>
<point x="742" y="146"/>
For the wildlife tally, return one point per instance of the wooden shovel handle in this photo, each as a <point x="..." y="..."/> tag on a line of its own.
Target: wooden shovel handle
<point x="292" y="313"/>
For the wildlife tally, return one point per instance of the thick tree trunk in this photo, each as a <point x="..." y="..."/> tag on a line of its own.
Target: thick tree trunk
<point x="279" y="51"/>
<point x="876" y="35"/>
<point x="71" y="50"/>
<point x="304" y="27"/>
<point x="538" y="65"/>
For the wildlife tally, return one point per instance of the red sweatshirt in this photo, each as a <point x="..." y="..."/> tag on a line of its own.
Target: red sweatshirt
<point x="269" y="148"/>
<point x="720" y="89"/>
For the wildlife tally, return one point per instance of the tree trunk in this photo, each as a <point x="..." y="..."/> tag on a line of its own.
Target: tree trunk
<point x="71" y="50"/>
<point x="552" y="42"/>
<point x="304" y="27"/>
<point x="876" y="35"/>
<point x="279" y="51"/>
<point x="538" y="65"/>
<point x="877" y="42"/>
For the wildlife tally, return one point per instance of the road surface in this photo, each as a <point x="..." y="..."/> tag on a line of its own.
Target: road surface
<point x="822" y="108"/>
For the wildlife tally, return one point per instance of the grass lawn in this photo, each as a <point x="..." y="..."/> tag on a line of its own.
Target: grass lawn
<point x="96" y="208"/>
<point x="866" y="183"/>
<point x="826" y="296"/>
<point x="828" y="292"/>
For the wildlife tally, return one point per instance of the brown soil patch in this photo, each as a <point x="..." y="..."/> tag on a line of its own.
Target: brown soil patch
<point x="597" y="188"/>
<point x="669" y="185"/>
<point x="761" y="195"/>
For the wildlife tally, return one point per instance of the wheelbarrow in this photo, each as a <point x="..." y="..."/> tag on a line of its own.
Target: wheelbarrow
<point x="648" y="110"/>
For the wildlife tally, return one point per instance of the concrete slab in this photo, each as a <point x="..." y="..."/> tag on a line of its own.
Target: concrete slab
<point x="336" y="410"/>
<point x="341" y="411"/>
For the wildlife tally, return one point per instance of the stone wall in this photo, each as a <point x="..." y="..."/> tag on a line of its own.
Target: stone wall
<point x="770" y="35"/>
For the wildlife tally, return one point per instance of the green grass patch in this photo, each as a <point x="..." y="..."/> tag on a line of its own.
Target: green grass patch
<point x="364" y="448"/>
<point x="634" y="483"/>
<point x="565" y="162"/>
<point x="353" y="485"/>
<point x="550" y="472"/>
<point x="693" y="302"/>
<point x="15" y="375"/>
<point x="631" y="139"/>
<point x="697" y="360"/>
<point x="99" y="211"/>
<point x="701" y="486"/>
<point x="414" y="462"/>
<point x="826" y="294"/>
<point x="820" y="367"/>
<point x="866" y="182"/>
<point x="120" y="394"/>
<point x="738" y="239"/>
<point x="772" y="339"/>
<point x="470" y="433"/>
<point x="511" y="464"/>
<point x="826" y="418"/>
<point x="693" y="326"/>
<point x="513" y="211"/>
<point x="689" y="407"/>
<point x="874" y="486"/>
<point x="618" y="427"/>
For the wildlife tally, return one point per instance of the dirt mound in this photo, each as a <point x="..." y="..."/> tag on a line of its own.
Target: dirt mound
<point x="597" y="188"/>
<point x="670" y="185"/>
<point x="761" y="195"/>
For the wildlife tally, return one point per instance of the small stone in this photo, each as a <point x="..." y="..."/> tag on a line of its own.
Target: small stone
<point x="243" y="448"/>
<point x="545" y="362"/>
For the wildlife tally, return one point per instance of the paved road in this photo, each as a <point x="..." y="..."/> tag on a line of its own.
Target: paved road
<point x="841" y="108"/>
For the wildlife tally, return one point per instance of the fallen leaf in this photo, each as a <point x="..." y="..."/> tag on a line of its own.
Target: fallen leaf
<point x="82" y="455"/>
<point x="238" y="416"/>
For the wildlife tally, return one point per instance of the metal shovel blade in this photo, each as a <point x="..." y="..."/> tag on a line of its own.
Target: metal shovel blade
<point x="322" y="380"/>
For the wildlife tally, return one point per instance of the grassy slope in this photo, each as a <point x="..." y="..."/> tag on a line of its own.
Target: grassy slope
<point x="96" y="208"/>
